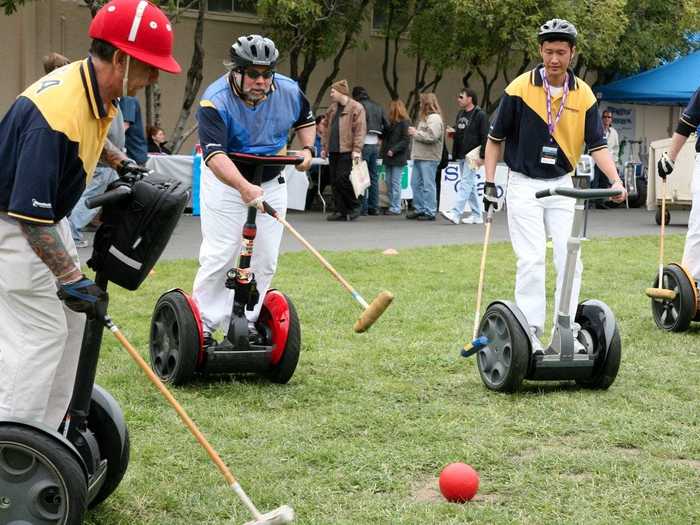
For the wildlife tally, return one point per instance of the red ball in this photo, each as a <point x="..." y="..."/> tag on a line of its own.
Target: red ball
<point x="459" y="482"/>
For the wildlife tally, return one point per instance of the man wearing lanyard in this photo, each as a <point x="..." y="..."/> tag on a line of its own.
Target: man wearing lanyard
<point x="545" y="117"/>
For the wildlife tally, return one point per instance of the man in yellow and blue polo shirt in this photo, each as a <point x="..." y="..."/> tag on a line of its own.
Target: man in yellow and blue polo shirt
<point x="50" y="141"/>
<point x="545" y="118"/>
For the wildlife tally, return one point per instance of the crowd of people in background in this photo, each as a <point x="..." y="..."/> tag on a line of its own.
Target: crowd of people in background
<point x="354" y="128"/>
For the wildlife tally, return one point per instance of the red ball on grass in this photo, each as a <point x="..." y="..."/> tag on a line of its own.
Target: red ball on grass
<point x="459" y="482"/>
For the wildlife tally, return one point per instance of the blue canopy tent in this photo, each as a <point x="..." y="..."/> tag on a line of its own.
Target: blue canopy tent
<point x="670" y="84"/>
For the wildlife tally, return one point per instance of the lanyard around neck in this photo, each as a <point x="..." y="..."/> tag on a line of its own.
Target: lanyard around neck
<point x="552" y="125"/>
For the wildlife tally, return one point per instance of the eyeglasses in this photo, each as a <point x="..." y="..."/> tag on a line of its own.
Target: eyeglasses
<point x="254" y="74"/>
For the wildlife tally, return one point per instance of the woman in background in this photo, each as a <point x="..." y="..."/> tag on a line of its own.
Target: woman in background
<point x="394" y="153"/>
<point x="428" y="137"/>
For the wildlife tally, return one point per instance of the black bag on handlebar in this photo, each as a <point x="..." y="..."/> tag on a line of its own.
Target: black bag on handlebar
<point x="136" y="229"/>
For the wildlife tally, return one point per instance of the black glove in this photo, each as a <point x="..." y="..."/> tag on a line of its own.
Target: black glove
<point x="84" y="296"/>
<point x="664" y="166"/>
<point x="491" y="197"/>
<point x="129" y="169"/>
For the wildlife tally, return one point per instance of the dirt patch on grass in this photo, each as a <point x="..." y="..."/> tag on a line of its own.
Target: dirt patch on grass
<point x="692" y="463"/>
<point x="429" y="491"/>
<point x="630" y="452"/>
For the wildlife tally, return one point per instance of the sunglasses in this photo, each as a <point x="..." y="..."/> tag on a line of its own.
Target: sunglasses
<point x="254" y="74"/>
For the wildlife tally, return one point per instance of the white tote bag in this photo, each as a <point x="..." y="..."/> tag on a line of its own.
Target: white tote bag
<point x="359" y="177"/>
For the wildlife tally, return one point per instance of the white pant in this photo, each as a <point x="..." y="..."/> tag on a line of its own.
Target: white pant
<point x="41" y="338"/>
<point x="529" y="222"/>
<point x="691" y="252"/>
<point x="223" y="215"/>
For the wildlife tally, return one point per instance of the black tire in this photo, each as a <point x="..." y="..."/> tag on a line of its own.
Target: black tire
<point x="174" y="342"/>
<point x="607" y="356"/>
<point x="674" y="315"/>
<point x="641" y="196"/>
<point x="657" y="216"/>
<point x="111" y="448"/>
<point x="283" y="371"/>
<point x="503" y="363"/>
<point x="40" y="478"/>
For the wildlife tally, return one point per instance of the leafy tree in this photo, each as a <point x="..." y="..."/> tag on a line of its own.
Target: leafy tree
<point x="312" y="31"/>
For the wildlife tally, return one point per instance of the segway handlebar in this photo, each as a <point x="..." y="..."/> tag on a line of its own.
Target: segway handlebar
<point x="575" y="193"/>
<point x="265" y="160"/>
<point x="113" y="195"/>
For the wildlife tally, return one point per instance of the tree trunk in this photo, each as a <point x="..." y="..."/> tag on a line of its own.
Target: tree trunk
<point x="194" y="82"/>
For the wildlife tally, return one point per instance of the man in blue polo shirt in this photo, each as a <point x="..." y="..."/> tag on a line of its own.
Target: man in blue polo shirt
<point x="545" y="118"/>
<point x="50" y="141"/>
<point x="250" y="109"/>
<point x="687" y="124"/>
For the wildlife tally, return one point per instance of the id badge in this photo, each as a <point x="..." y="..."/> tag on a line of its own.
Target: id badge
<point x="549" y="155"/>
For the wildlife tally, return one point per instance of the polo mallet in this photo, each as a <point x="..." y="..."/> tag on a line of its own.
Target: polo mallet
<point x="480" y="342"/>
<point x="280" y="515"/>
<point x="660" y="292"/>
<point x="372" y="311"/>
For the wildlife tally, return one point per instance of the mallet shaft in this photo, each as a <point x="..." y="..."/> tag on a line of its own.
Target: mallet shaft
<point x="482" y="271"/>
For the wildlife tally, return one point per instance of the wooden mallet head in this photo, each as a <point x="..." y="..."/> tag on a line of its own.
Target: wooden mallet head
<point x="660" y="293"/>
<point x="373" y="311"/>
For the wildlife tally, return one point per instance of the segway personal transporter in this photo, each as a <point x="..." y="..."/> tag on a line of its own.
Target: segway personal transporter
<point x="49" y="476"/>
<point x="270" y="347"/>
<point x="505" y="356"/>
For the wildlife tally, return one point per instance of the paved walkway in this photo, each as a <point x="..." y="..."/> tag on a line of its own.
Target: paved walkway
<point x="396" y="232"/>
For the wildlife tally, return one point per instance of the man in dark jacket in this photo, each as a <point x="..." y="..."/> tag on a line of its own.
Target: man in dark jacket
<point x="376" y="124"/>
<point x="471" y="132"/>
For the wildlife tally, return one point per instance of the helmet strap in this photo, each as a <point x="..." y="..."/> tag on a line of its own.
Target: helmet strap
<point x="125" y="82"/>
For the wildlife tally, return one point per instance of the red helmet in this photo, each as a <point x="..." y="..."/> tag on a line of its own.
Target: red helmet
<point x="140" y="29"/>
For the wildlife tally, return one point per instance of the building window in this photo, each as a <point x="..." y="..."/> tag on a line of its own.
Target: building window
<point x="235" y="6"/>
<point x="379" y="15"/>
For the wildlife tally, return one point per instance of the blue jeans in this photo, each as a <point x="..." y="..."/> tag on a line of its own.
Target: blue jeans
<point x="81" y="214"/>
<point x="467" y="190"/>
<point x="370" y="154"/>
<point x="393" y="183"/>
<point x="423" y="187"/>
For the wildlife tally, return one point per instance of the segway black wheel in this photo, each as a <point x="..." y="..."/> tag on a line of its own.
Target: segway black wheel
<point x="674" y="315"/>
<point x="113" y="447"/>
<point x="657" y="216"/>
<point x="608" y="354"/>
<point x="41" y="481"/>
<point x="504" y="361"/>
<point x="174" y="343"/>
<point x="283" y="371"/>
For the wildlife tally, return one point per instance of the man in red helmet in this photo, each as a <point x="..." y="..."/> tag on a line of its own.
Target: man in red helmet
<point x="50" y="141"/>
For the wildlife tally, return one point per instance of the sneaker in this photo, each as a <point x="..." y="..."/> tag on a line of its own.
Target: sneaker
<point x="373" y="211"/>
<point x="337" y="217"/>
<point x="82" y="243"/>
<point x="425" y="217"/>
<point x="209" y="339"/>
<point x="473" y="219"/>
<point x="536" y="344"/>
<point x="413" y="215"/>
<point x="579" y="347"/>
<point x="450" y="217"/>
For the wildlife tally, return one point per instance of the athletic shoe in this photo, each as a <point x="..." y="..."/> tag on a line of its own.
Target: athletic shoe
<point x="450" y="217"/>
<point x="413" y="215"/>
<point x="473" y="219"/>
<point x="82" y="244"/>
<point x="425" y="217"/>
<point x="209" y="340"/>
<point x="536" y="344"/>
<point x="337" y="217"/>
<point x="373" y="211"/>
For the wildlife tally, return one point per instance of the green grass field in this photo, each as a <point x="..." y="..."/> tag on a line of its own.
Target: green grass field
<point x="362" y="431"/>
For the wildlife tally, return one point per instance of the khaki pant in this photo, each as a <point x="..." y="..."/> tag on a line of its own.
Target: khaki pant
<point x="41" y="338"/>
